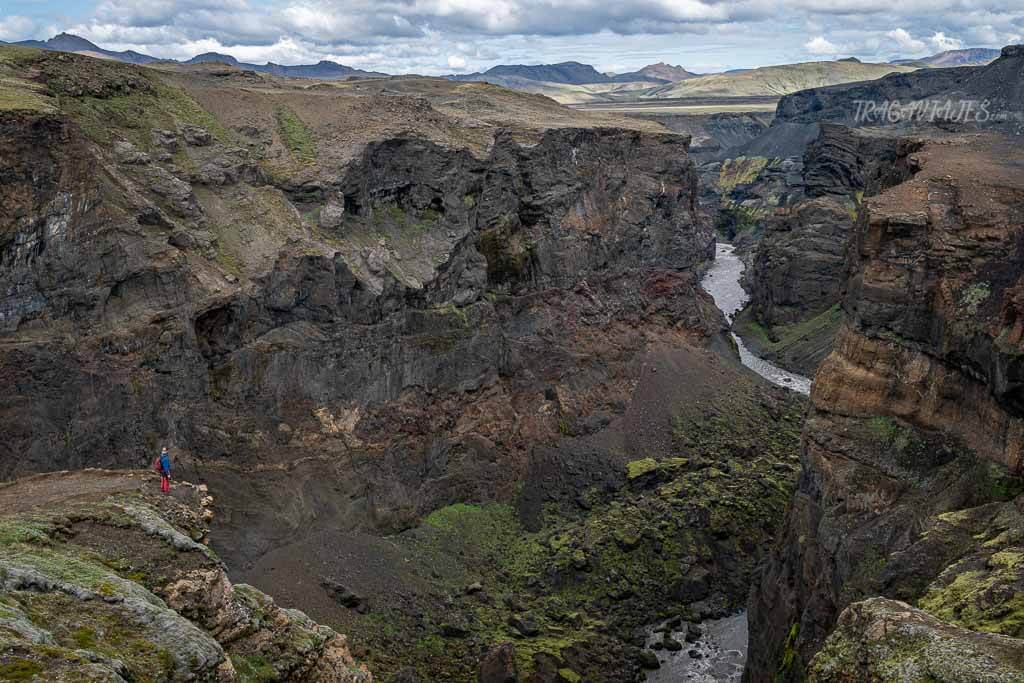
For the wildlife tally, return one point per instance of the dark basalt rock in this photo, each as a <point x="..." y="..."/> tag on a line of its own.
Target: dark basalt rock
<point x="499" y="666"/>
<point x="649" y="660"/>
<point x="345" y="597"/>
<point x="525" y="624"/>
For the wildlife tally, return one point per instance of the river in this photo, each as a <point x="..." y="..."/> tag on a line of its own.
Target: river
<point x="722" y="282"/>
<point x="720" y="653"/>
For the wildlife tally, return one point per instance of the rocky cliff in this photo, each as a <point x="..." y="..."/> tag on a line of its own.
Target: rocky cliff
<point x="911" y="457"/>
<point x="245" y="271"/>
<point x="440" y="349"/>
<point x="797" y="270"/>
<point x="102" y="578"/>
<point x="796" y="273"/>
<point x="965" y="97"/>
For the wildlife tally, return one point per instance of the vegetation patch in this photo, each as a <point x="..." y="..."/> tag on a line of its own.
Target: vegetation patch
<point x="295" y="135"/>
<point x="680" y="537"/>
<point x="740" y="171"/>
<point x="638" y="468"/>
<point x="973" y="296"/>
<point x="736" y="219"/>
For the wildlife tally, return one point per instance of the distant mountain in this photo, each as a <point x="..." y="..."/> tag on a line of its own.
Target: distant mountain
<point x="66" y="42"/>
<point x="569" y="73"/>
<point x="774" y="80"/>
<point x="574" y="73"/>
<point x="972" y="56"/>
<point x="207" y="57"/>
<point x="655" y="72"/>
<point x="324" y="69"/>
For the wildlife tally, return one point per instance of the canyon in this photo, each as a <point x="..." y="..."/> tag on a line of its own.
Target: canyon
<point x="443" y="365"/>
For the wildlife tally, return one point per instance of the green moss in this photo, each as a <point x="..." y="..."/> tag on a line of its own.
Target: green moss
<point x="295" y="135"/>
<point x="986" y="599"/>
<point x="450" y="517"/>
<point x="735" y="219"/>
<point x="229" y="261"/>
<point x="602" y="562"/>
<point x="84" y="637"/>
<point x="396" y="212"/>
<point x="20" y="670"/>
<point x="638" y="468"/>
<point x="24" y="530"/>
<point x="136" y="114"/>
<point x="788" y="653"/>
<point x="740" y="171"/>
<point x="19" y="95"/>
<point x="253" y="668"/>
<point x="783" y="340"/>
<point x="973" y="296"/>
<point x="569" y="676"/>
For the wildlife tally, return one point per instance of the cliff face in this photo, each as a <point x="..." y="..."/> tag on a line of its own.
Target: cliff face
<point x="103" y="578"/>
<point x="911" y="453"/>
<point x="236" y="272"/>
<point x="798" y="271"/>
<point x="994" y="90"/>
<point x="415" y="306"/>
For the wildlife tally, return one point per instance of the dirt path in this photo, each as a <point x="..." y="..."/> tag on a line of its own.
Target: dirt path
<point x="42" y="490"/>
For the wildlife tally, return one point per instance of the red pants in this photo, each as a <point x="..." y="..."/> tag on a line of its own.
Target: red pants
<point x="165" y="484"/>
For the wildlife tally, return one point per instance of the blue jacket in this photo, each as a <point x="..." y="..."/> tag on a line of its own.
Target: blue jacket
<point x="165" y="464"/>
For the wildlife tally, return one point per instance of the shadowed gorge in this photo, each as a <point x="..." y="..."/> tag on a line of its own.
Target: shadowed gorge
<point x="461" y="384"/>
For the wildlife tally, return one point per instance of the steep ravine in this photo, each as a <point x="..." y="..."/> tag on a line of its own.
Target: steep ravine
<point x="903" y="538"/>
<point x="454" y="381"/>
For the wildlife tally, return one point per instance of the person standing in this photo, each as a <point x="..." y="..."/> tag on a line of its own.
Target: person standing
<point x="165" y="470"/>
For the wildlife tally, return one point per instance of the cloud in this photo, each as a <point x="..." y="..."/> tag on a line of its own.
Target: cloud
<point x="456" y="62"/>
<point x="941" y="42"/>
<point x="821" y="46"/>
<point x="421" y="35"/>
<point x="16" y="28"/>
<point x="905" y="41"/>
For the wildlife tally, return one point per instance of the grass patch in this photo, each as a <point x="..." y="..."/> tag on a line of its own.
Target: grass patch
<point x="253" y="669"/>
<point x="20" y="670"/>
<point x="740" y="171"/>
<point x="638" y="468"/>
<point x="295" y="135"/>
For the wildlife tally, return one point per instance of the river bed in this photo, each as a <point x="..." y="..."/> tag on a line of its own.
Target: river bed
<point x="722" y="282"/>
<point x="718" y="656"/>
<point x="720" y="653"/>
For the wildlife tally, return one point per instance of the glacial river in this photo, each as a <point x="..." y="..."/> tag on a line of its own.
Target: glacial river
<point x="722" y="282"/>
<point x="720" y="653"/>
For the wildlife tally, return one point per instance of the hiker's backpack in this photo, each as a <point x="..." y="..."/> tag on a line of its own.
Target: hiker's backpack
<point x="156" y="465"/>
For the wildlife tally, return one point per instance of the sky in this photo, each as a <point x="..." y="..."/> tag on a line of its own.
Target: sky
<point x="460" y="36"/>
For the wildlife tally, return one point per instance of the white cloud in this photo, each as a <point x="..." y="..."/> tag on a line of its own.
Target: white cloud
<point x="905" y="41"/>
<point x="456" y="62"/>
<point x="821" y="46"/>
<point x="941" y="42"/>
<point x="421" y="35"/>
<point x="16" y="28"/>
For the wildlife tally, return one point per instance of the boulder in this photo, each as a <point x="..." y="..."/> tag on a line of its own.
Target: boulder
<point x="499" y="666"/>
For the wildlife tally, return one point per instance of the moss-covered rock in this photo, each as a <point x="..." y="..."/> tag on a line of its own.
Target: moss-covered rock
<point x="888" y="640"/>
<point x="115" y="588"/>
<point x="681" y="537"/>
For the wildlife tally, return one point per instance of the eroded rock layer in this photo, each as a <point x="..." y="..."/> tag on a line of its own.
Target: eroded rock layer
<point x="911" y="455"/>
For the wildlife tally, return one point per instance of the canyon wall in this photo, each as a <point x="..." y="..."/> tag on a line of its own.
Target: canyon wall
<point x="415" y="305"/>
<point x="911" y="459"/>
